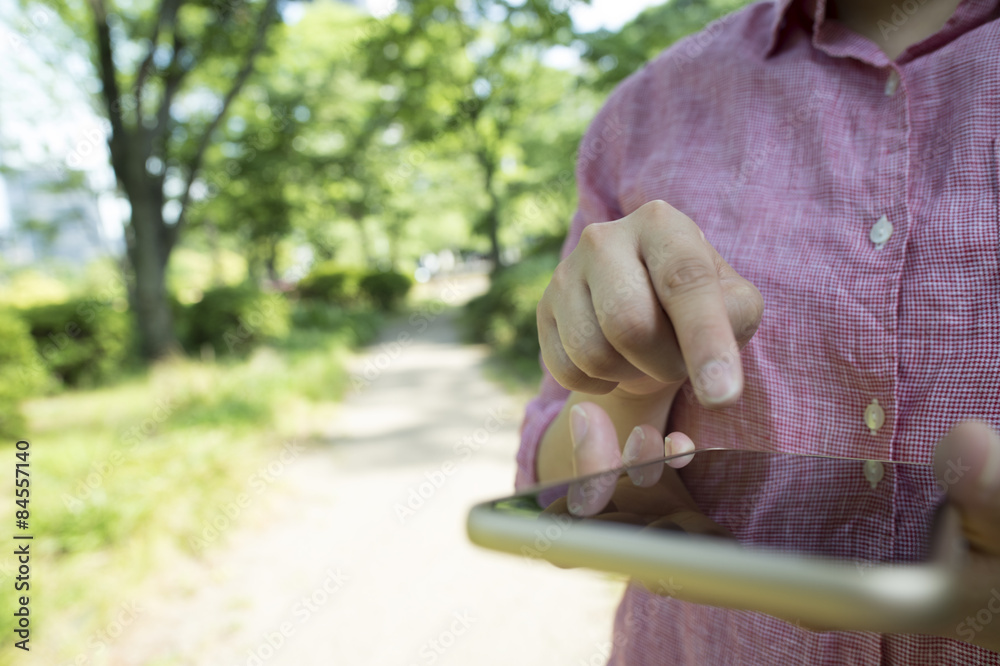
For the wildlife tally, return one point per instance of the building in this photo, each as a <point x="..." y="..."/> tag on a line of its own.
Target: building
<point x="45" y="217"/>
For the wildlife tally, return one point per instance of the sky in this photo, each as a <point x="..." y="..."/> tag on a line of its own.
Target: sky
<point x="610" y="14"/>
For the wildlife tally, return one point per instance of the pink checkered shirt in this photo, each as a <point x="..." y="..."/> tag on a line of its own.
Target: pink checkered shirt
<point x="787" y="138"/>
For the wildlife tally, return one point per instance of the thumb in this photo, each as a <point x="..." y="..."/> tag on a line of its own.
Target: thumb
<point x="967" y="464"/>
<point x="595" y="449"/>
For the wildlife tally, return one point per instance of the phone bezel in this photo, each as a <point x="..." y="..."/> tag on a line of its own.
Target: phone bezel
<point x="818" y="592"/>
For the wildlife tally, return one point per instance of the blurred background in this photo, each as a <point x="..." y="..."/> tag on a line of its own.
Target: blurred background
<point x="268" y="275"/>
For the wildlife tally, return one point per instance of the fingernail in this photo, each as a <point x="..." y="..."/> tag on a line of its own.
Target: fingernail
<point x="717" y="382"/>
<point x="630" y="454"/>
<point x="678" y="458"/>
<point x="633" y="446"/>
<point x="577" y="425"/>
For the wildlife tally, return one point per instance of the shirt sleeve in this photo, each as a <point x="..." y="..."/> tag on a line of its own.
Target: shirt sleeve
<point x="598" y="172"/>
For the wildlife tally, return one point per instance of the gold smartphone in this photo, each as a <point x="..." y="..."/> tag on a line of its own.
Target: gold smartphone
<point x="827" y="542"/>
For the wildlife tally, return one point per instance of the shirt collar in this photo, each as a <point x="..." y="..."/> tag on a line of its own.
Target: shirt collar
<point x="786" y="12"/>
<point x="810" y="15"/>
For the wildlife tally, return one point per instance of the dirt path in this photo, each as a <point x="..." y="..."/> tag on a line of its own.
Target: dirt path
<point x="359" y="554"/>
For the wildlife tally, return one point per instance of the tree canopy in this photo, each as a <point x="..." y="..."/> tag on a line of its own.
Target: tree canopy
<point x="306" y="132"/>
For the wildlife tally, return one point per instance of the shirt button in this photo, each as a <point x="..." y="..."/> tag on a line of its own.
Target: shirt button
<point x="880" y="232"/>
<point x="891" y="83"/>
<point x="874" y="416"/>
<point x="874" y="471"/>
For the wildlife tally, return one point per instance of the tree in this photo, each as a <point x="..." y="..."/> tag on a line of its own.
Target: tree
<point x="397" y="133"/>
<point x="251" y="172"/>
<point x="164" y="105"/>
<point x="465" y="73"/>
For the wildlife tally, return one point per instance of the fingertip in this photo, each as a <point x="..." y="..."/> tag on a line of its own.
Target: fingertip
<point x="597" y="450"/>
<point x="719" y="382"/>
<point x="678" y="444"/>
<point x="643" y="446"/>
<point x="967" y="462"/>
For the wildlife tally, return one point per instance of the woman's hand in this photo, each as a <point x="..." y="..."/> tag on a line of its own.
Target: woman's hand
<point x="644" y="302"/>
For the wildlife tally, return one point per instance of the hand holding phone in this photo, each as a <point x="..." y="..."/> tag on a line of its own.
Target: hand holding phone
<point x="826" y="542"/>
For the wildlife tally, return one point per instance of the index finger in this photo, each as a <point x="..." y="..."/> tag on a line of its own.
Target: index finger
<point x="684" y="272"/>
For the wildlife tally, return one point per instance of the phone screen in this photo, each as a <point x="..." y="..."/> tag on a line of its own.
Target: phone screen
<point x="865" y="512"/>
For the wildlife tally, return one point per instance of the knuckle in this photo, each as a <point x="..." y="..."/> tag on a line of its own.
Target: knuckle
<point x="598" y="238"/>
<point x="541" y="311"/>
<point x="562" y="370"/>
<point x="596" y="360"/>
<point x="579" y="336"/>
<point x="756" y="305"/>
<point x="630" y="284"/>
<point x="657" y="208"/>
<point x="594" y="237"/>
<point x="568" y="375"/>
<point x="687" y="275"/>
<point x="629" y="329"/>
<point x="560" y="278"/>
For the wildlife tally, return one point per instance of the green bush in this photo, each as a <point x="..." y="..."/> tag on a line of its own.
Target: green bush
<point x="235" y="320"/>
<point x="82" y="342"/>
<point x="332" y="283"/>
<point x="385" y="289"/>
<point x="22" y="373"/>
<point x="504" y="316"/>
<point x="308" y="315"/>
<point x="355" y="327"/>
<point x="354" y="288"/>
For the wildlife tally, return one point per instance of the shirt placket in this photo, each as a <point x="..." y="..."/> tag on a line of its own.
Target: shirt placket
<point x="885" y="234"/>
<point x="883" y="226"/>
<point x="883" y="223"/>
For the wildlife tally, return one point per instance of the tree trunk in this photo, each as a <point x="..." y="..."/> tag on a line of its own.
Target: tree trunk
<point x="491" y="217"/>
<point x="271" y="261"/>
<point x="149" y="240"/>
<point x="148" y="255"/>
<point x="491" y="220"/>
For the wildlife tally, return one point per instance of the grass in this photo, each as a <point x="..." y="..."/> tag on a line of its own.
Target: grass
<point x="125" y="479"/>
